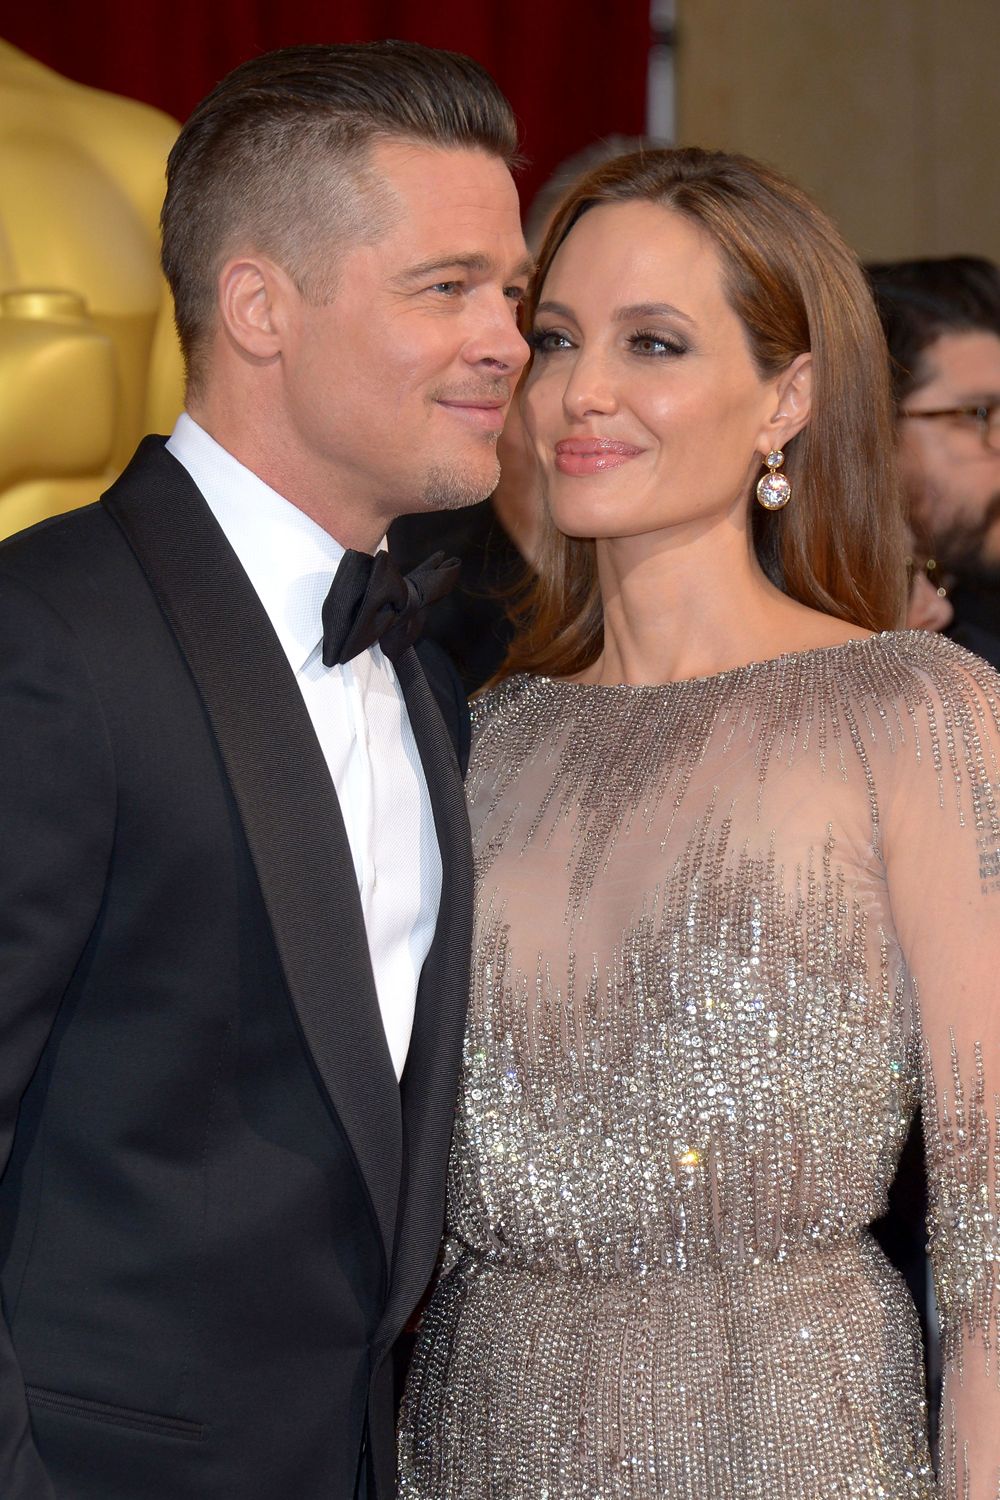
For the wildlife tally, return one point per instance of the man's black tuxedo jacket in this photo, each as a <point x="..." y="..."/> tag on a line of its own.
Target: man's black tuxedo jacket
<point x="218" y="1206"/>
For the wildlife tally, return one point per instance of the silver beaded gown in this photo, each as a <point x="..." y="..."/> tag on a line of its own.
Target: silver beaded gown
<point x="729" y="932"/>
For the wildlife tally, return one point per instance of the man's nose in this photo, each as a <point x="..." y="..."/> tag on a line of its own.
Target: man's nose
<point x="499" y="342"/>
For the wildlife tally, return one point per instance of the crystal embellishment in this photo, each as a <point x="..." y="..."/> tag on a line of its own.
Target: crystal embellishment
<point x="774" y="490"/>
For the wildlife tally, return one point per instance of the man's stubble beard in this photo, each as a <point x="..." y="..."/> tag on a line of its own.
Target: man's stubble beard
<point x="959" y="545"/>
<point x="452" y="488"/>
<point x="964" y="551"/>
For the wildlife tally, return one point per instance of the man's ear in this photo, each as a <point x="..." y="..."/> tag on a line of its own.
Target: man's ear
<point x="253" y="293"/>
<point x="792" y="406"/>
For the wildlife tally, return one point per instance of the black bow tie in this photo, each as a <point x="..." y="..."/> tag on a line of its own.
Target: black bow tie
<point x="371" y="600"/>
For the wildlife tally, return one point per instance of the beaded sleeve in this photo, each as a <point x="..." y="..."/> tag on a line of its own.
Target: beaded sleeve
<point x="942" y="849"/>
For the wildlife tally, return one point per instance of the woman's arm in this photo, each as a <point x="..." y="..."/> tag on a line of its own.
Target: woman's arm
<point x="942" y="850"/>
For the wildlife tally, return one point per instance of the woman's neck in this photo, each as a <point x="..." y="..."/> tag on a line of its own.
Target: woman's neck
<point x="679" y="607"/>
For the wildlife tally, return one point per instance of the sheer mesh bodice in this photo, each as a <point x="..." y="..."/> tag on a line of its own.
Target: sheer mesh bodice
<point x="728" y="931"/>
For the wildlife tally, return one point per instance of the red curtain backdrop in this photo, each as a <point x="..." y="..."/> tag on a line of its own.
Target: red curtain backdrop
<point x="573" y="71"/>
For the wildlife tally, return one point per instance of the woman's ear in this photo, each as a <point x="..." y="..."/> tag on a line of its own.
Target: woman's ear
<point x="252" y="291"/>
<point x="793" y="390"/>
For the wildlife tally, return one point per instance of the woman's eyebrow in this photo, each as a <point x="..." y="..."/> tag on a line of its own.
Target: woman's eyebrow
<point x="650" y="310"/>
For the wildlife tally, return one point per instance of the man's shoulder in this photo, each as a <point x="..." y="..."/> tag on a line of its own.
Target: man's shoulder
<point x="71" y="542"/>
<point x="81" y="564"/>
<point x="85" y="542"/>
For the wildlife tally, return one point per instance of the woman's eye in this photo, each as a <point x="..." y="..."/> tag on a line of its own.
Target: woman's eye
<point x="655" y="344"/>
<point x="548" y="340"/>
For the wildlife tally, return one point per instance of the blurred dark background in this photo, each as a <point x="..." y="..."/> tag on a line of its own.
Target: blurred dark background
<point x="572" y="72"/>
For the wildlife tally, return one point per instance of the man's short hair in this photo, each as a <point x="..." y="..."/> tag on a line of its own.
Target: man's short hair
<point x="275" y="160"/>
<point x="919" y="300"/>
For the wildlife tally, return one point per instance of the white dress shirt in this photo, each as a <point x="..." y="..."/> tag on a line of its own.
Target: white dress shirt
<point x="357" y="711"/>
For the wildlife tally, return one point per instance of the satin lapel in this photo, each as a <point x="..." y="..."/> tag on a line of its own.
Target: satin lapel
<point x="288" y="807"/>
<point x="430" y="1083"/>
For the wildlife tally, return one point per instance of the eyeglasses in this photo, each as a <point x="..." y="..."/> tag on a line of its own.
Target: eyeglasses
<point x="983" y="419"/>
<point x="931" y="569"/>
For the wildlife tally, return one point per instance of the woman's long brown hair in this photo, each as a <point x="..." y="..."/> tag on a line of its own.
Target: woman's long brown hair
<point x="839" y="545"/>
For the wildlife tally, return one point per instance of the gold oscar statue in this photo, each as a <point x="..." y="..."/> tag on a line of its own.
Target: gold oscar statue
<point x="89" y="359"/>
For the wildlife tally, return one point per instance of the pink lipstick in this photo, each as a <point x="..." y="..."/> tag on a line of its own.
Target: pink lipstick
<point x="582" y="456"/>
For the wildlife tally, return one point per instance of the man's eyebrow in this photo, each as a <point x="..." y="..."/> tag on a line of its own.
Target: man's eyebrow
<point x="474" y="262"/>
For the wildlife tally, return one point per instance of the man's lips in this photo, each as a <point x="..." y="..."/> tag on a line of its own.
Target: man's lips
<point x="593" y="455"/>
<point x="487" y="412"/>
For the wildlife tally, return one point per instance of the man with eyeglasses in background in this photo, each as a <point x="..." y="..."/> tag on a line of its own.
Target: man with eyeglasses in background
<point x="942" y="324"/>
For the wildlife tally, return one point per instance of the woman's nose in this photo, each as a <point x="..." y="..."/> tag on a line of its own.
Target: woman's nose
<point x="589" y="388"/>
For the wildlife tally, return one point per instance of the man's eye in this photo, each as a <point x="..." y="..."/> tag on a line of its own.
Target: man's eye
<point x="514" y="294"/>
<point x="447" y="288"/>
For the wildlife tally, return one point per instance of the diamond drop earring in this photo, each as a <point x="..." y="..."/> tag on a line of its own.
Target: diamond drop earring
<point x="774" y="490"/>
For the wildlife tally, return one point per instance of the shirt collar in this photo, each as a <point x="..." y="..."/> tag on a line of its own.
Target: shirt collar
<point x="288" y="558"/>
